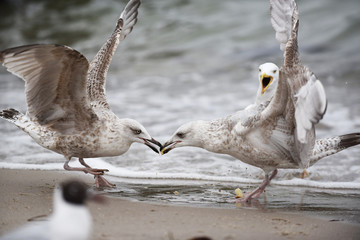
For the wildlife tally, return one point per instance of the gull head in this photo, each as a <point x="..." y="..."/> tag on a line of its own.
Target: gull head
<point x="188" y="134"/>
<point x="269" y="78"/>
<point x="74" y="192"/>
<point x="135" y="132"/>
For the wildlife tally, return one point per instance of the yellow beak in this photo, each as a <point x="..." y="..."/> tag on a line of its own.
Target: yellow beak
<point x="162" y="152"/>
<point x="265" y="81"/>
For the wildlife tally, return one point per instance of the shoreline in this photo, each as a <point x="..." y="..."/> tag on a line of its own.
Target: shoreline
<point x="26" y="194"/>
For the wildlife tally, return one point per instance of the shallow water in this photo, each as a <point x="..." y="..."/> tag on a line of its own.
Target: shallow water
<point x="332" y="204"/>
<point x="190" y="60"/>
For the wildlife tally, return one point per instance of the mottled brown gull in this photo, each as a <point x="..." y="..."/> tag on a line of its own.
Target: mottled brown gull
<point x="68" y="112"/>
<point x="278" y="130"/>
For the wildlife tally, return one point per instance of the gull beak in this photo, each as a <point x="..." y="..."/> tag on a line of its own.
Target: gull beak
<point x="265" y="81"/>
<point x="148" y="143"/>
<point x="168" y="146"/>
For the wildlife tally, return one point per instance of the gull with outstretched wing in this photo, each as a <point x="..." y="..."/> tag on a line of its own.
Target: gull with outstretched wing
<point x="68" y="112"/>
<point x="278" y="130"/>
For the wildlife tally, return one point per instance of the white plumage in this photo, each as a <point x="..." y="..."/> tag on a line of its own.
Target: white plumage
<point x="70" y="220"/>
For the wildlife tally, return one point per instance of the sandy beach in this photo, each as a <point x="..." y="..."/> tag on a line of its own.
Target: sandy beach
<point x="26" y="194"/>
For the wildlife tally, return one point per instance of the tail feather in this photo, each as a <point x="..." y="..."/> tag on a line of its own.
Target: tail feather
<point x="349" y="140"/>
<point x="328" y="146"/>
<point x="10" y="114"/>
<point x="42" y="135"/>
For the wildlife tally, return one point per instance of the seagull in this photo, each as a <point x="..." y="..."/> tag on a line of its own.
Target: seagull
<point x="68" y="112"/>
<point x="71" y="219"/>
<point x="278" y="130"/>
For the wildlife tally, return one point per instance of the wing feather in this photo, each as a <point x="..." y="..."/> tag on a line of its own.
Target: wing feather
<point x="300" y="97"/>
<point x="281" y="12"/>
<point x="310" y="106"/>
<point x="100" y="64"/>
<point x="285" y="21"/>
<point x="55" y="84"/>
<point x="129" y="17"/>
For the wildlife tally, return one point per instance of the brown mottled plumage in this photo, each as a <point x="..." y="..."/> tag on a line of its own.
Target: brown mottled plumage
<point x="67" y="108"/>
<point x="278" y="131"/>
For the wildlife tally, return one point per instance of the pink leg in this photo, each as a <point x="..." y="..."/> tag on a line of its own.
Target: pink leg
<point x="99" y="180"/>
<point x="256" y="193"/>
<point x="81" y="160"/>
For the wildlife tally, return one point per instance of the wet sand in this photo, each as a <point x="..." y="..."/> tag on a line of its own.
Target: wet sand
<point x="26" y="194"/>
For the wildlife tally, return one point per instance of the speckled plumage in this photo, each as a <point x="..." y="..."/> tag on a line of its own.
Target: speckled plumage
<point x="67" y="108"/>
<point x="278" y="130"/>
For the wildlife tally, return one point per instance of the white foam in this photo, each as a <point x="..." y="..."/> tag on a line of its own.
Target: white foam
<point x="316" y="184"/>
<point x="119" y="172"/>
<point x="49" y="166"/>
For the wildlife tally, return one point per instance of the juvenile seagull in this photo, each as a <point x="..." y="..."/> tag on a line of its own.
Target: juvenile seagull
<point x="67" y="108"/>
<point x="71" y="219"/>
<point x="278" y="130"/>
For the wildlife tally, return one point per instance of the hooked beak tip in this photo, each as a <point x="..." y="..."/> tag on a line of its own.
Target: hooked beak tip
<point x="148" y="142"/>
<point x="168" y="146"/>
<point x="162" y="151"/>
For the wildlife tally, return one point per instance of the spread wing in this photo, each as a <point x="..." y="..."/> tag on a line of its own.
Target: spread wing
<point x="307" y="94"/>
<point x="305" y="102"/>
<point x="300" y="98"/>
<point x="55" y="85"/>
<point x="282" y="13"/>
<point x="308" y="99"/>
<point x="285" y="21"/>
<point x="101" y="62"/>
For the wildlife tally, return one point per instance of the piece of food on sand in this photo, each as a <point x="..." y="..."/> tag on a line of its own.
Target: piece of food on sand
<point x="238" y="193"/>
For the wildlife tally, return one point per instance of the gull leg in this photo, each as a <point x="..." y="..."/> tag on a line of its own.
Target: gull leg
<point x="304" y="174"/>
<point x="85" y="169"/>
<point x="82" y="162"/>
<point x="99" y="180"/>
<point x="256" y="193"/>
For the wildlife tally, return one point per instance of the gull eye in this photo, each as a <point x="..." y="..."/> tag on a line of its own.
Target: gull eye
<point x="136" y="131"/>
<point x="259" y="70"/>
<point x="180" y="135"/>
<point x="274" y="71"/>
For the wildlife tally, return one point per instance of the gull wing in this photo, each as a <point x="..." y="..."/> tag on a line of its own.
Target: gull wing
<point x="306" y="93"/>
<point x="101" y="62"/>
<point x="300" y="95"/>
<point x="285" y="21"/>
<point x="55" y="85"/>
<point x="308" y="101"/>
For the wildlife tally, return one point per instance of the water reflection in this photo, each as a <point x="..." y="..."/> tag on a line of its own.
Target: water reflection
<point x="336" y="205"/>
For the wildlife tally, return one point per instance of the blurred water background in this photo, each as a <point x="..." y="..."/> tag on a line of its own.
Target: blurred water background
<point x="197" y="59"/>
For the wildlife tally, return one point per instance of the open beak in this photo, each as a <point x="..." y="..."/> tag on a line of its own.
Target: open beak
<point x="148" y="143"/>
<point x="265" y="82"/>
<point x="168" y="146"/>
